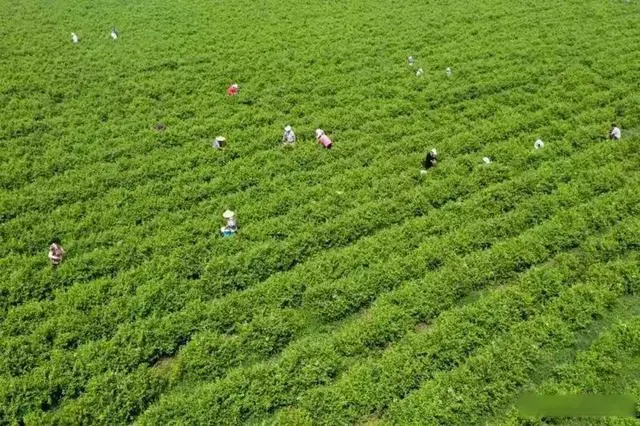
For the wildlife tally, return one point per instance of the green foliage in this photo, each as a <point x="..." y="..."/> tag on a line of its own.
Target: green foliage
<point x="357" y="290"/>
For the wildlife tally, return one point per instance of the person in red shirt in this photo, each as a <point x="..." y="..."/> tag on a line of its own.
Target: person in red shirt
<point x="233" y="90"/>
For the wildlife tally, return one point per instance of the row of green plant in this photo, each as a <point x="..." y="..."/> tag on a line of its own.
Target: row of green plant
<point x="125" y="349"/>
<point x="370" y="387"/>
<point x="269" y="385"/>
<point x="491" y="378"/>
<point x="68" y="325"/>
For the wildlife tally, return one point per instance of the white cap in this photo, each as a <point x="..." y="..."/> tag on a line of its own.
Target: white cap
<point x="319" y="132"/>
<point x="539" y="144"/>
<point x="228" y="214"/>
<point x="434" y="152"/>
<point x="234" y="85"/>
<point x="220" y="138"/>
<point x="486" y="160"/>
<point x="287" y="128"/>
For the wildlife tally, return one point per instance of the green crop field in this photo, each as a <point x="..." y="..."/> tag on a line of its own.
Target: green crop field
<point x="357" y="289"/>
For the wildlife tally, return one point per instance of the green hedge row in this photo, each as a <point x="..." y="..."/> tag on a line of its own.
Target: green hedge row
<point x="368" y="388"/>
<point x="491" y="378"/>
<point x="267" y="386"/>
<point x="189" y="290"/>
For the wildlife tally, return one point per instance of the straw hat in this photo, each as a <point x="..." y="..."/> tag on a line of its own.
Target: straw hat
<point x="287" y="128"/>
<point x="434" y="152"/>
<point x="486" y="160"/>
<point x="228" y="214"/>
<point x="319" y="132"/>
<point x="539" y="144"/>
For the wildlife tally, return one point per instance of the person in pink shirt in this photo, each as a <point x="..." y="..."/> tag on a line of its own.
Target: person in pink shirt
<point x="233" y="90"/>
<point x="323" y="139"/>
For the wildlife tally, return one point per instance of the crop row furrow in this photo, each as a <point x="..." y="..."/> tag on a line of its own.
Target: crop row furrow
<point x="490" y="379"/>
<point x="368" y="388"/>
<point x="610" y="366"/>
<point x="612" y="175"/>
<point x="306" y="242"/>
<point x="488" y="202"/>
<point x="315" y="361"/>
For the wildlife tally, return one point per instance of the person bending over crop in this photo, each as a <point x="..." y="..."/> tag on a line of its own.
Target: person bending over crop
<point x="233" y="90"/>
<point x="323" y="139"/>
<point x="288" y="137"/>
<point x="615" y="132"/>
<point x="231" y="226"/>
<point x="431" y="159"/>
<point x="56" y="253"/>
<point x="219" y="142"/>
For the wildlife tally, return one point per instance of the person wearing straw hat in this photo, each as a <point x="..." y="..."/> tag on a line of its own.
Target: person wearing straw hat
<point x="288" y="137"/>
<point x="615" y="133"/>
<point x="431" y="159"/>
<point x="323" y="139"/>
<point x="219" y="142"/>
<point x="56" y="253"/>
<point x="231" y="227"/>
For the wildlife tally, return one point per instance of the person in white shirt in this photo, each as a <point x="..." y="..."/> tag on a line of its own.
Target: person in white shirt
<point x="56" y="253"/>
<point x="219" y="142"/>
<point x="74" y="38"/>
<point x="232" y="226"/>
<point x="288" y="137"/>
<point x="615" y="132"/>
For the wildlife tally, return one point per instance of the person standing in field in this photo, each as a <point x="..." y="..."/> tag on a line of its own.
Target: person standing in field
<point x="56" y="253"/>
<point x="431" y="159"/>
<point x="288" y="137"/>
<point x="219" y="142"/>
<point x="615" y="133"/>
<point x="232" y="226"/>
<point x="323" y="139"/>
<point x="233" y="90"/>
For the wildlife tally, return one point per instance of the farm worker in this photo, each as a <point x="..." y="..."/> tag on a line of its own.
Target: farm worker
<point x="114" y="33"/>
<point x="431" y="159"/>
<point x="448" y="72"/>
<point x="233" y="90"/>
<point x="231" y="226"/>
<point x="411" y="60"/>
<point x="288" y="137"/>
<point x="219" y="142"/>
<point x="615" y="132"/>
<point x="56" y="253"/>
<point x="74" y="38"/>
<point x="538" y="144"/>
<point x="323" y="139"/>
<point x="420" y="72"/>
